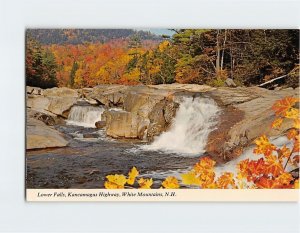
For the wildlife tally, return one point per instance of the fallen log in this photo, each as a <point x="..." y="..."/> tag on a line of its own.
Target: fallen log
<point x="272" y="80"/>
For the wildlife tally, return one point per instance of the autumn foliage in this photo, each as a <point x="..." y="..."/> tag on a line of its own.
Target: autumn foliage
<point x="272" y="170"/>
<point x="94" y="64"/>
<point x="79" y="58"/>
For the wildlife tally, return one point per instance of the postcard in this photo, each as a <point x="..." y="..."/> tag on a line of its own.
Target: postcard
<point x="162" y="114"/>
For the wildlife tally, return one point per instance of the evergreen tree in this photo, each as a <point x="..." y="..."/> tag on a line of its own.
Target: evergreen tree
<point x="40" y="65"/>
<point x="72" y="73"/>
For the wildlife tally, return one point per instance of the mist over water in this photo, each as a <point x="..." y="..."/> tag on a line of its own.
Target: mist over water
<point x="85" y="116"/>
<point x="193" y="122"/>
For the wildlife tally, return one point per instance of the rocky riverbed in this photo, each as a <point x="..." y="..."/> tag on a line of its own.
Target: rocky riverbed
<point x="136" y="127"/>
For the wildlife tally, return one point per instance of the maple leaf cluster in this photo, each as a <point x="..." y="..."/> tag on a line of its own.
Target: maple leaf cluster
<point x="270" y="171"/>
<point x="119" y="181"/>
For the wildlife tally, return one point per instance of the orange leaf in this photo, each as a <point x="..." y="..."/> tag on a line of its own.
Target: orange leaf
<point x="292" y="133"/>
<point x="255" y="169"/>
<point x="265" y="183"/>
<point x="284" y="179"/>
<point x="263" y="146"/>
<point x="243" y="168"/>
<point x="205" y="163"/>
<point x="282" y="106"/>
<point x="277" y="123"/>
<point x="273" y="166"/>
<point x="226" y="180"/>
<point x="296" y="146"/>
<point x="284" y="152"/>
<point x="206" y="178"/>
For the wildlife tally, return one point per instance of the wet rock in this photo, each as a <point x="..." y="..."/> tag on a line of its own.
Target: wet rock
<point x="61" y="105"/>
<point x="34" y="90"/>
<point x="174" y="87"/>
<point x="47" y="119"/>
<point x="122" y="124"/>
<point x="246" y="115"/>
<point x="60" y="92"/>
<point x="147" y="112"/>
<point x="55" y="100"/>
<point x="109" y="95"/>
<point x="100" y="124"/>
<point x="90" y="135"/>
<point x="39" y="135"/>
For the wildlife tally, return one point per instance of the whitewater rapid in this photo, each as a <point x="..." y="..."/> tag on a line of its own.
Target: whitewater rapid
<point x="85" y="116"/>
<point x="194" y="120"/>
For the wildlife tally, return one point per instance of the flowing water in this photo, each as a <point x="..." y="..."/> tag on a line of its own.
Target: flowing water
<point x="91" y="155"/>
<point x="85" y="116"/>
<point x="193" y="122"/>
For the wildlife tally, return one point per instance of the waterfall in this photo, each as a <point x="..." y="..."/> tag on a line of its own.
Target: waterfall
<point x="193" y="122"/>
<point x="85" y="116"/>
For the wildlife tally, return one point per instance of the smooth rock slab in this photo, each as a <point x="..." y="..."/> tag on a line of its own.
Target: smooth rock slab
<point x="41" y="136"/>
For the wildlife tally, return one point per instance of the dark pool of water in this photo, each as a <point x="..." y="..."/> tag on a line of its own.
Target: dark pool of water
<point x="86" y="162"/>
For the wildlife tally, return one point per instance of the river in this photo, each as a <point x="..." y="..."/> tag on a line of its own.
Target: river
<point x="91" y="155"/>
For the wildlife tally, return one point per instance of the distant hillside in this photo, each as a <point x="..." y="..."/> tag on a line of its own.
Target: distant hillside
<point x="79" y="36"/>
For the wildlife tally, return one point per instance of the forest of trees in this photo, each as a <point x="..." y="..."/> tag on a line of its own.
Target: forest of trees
<point x="85" y="59"/>
<point x="81" y="36"/>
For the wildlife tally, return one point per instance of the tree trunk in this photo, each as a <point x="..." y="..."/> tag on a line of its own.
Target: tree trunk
<point x="218" y="54"/>
<point x="223" y="49"/>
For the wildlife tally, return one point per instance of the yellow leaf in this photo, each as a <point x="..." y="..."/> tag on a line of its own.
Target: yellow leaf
<point x="277" y="123"/>
<point x="211" y="186"/>
<point x="170" y="183"/>
<point x="132" y="175"/>
<point x="205" y="163"/>
<point x="292" y="133"/>
<point x="115" y="181"/>
<point x="296" y="184"/>
<point x="263" y="146"/>
<point x="273" y="166"/>
<point x="145" y="183"/>
<point x="243" y="169"/>
<point x="297" y="123"/>
<point x="226" y="180"/>
<point x="292" y="113"/>
<point x="206" y="178"/>
<point x="190" y="179"/>
<point x="284" y="179"/>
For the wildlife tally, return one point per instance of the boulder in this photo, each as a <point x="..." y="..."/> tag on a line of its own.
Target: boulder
<point x="100" y="124"/>
<point x="41" y="136"/>
<point x="144" y="112"/>
<point x="246" y="115"/>
<point x="61" y="92"/>
<point x="230" y="83"/>
<point x="109" y="95"/>
<point x="61" y="105"/>
<point x="34" y="90"/>
<point x="47" y="119"/>
<point x="57" y="101"/>
<point x="123" y="124"/>
<point x="147" y="112"/>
